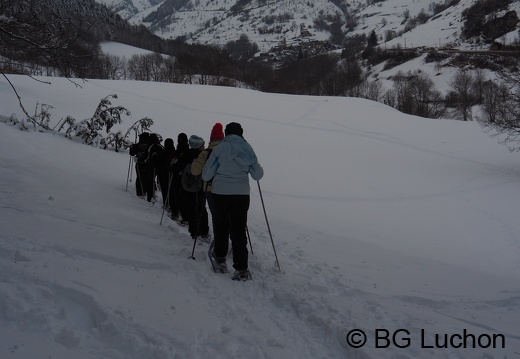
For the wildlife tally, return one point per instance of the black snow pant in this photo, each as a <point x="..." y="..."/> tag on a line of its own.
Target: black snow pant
<point x="197" y="215"/>
<point x="164" y="181"/>
<point x="176" y="202"/>
<point x="149" y="187"/>
<point x="140" y="179"/>
<point x="230" y="221"/>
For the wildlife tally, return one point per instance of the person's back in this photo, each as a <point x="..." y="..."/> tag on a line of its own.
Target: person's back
<point x="182" y="148"/>
<point x="216" y="136"/>
<point x="191" y="182"/>
<point x="228" y="167"/>
<point x="162" y="165"/>
<point x="236" y="161"/>
<point x="139" y="152"/>
<point x="153" y="151"/>
<point x="192" y="195"/>
<point x="165" y="157"/>
<point x="142" y="148"/>
<point x="179" y="210"/>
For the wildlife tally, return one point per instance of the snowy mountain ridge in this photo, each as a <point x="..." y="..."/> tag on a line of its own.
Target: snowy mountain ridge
<point x="268" y="23"/>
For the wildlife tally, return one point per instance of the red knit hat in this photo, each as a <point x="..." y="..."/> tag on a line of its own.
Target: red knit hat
<point x="217" y="132"/>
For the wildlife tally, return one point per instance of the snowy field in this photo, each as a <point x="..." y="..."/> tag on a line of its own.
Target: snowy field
<point x="384" y="223"/>
<point x="122" y="50"/>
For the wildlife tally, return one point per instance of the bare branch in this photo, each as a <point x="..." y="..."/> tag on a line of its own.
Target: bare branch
<point x="17" y="95"/>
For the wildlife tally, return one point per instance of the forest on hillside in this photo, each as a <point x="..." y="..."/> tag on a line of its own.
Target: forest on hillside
<point x="63" y="37"/>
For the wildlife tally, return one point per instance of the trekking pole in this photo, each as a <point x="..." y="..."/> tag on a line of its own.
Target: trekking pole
<point x="249" y="238"/>
<point x="128" y="174"/>
<point x="154" y="185"/>
<point x="167" y="202"/>
<point x="268" y="227"/>
<point x="198" y="220"/>
<point x="140" y="174"/>
<point x="131" y="173"/>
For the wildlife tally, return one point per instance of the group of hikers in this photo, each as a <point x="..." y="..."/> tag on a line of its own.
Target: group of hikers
<point x="191" y="175"/>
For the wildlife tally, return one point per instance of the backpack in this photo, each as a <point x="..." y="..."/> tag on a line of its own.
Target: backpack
<point x="190" y="183"/>
<point x="153" y="154"/>
<point x="142" y="152"/>
<point x="167" y="159"/>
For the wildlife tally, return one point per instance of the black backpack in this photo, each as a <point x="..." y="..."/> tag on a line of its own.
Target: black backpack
<point x="190" y="183"/>
<point x="142" y="152"/>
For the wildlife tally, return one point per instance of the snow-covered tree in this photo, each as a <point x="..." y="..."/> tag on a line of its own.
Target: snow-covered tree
<point x="143" y="125"/>
<point x="114" y="140"/>
<point x="104" y="118"/>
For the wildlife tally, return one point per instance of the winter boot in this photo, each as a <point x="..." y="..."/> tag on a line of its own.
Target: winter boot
<point x="242" y="275"/>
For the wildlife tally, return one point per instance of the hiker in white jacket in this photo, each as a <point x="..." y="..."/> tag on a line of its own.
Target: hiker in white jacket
<point x="228" y="168"/>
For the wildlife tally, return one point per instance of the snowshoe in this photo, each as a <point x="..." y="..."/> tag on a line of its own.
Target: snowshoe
<point x="218" y="267"/>
<point x="182" y="222"/>
<point x="242" y="275"/>
<point x="205" y="238"/>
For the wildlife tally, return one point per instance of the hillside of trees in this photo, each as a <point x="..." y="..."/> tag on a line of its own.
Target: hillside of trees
<point x="62" y="38"/>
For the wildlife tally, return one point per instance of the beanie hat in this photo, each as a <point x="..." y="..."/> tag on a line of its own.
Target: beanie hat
<point x="217" y="132"/>
<point x="143" y="137"/>
<point x="168" y="143"/>
<point x="153" y="138"/>
<point x="196" y="142"/>
<point x="234" y="128"/>
<point x="182" y="138"/>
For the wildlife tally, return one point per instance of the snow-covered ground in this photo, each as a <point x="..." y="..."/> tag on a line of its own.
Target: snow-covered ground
<point x="392" y="15"/>
<point x="442" y="30"/>
<point x="383" y="223"/>
<point x="122" y="50"/>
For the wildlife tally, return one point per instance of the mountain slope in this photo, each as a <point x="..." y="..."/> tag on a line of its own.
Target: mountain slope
<point x="216" y="22"/>
<point x="409" y="23"/>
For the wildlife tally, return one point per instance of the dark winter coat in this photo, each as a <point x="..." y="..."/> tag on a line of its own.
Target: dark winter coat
<point x="153" y="152"/>
<point x="188" y="157"/>
<point x="194" y="202"/>
<point x="181" y="152"/>
<point x="140" y="149"/>
<point x="163" y="160"/>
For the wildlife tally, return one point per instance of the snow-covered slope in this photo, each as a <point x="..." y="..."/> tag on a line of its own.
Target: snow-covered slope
<point x="269" y="22"/>
<point x="216" y="22"/>
<point x="381" y="221"/>
<point x="122" y="50"/>
<point x="440" y="31"/>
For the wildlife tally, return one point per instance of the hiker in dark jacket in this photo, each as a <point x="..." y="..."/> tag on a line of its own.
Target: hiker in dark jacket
<point x="162" y="165"/>
<point x="192" y="193"/>
<point x="150" y="174"/>
<point x="217" y="134"/>
<point x="176" y="169"/>
<point x="139" y="151"/>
